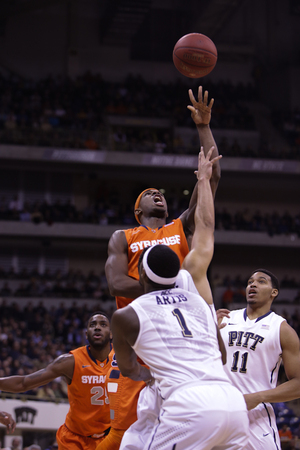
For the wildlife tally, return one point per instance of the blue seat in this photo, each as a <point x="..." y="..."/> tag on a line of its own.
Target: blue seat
<point x="278" y="407"/>
<point x="286" y="412"/>
<point x="294" y="422"/>
<point x="281" y="420"/>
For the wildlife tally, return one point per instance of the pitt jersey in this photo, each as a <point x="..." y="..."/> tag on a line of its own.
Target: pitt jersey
<point x="89" y="405"/>
<point x="138" y="238"/>
<point x="165" y="318"/>
<point x="253" y="350"/>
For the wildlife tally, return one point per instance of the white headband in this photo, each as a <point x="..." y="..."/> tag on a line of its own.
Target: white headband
<point x="151" y="275"/>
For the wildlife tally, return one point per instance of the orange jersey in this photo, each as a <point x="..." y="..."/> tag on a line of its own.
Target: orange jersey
<point x="89" y="411"/>
<point x="123" y="397"/>
<point x="138" y="238"/>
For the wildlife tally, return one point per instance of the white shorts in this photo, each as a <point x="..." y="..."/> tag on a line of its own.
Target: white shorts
<point x="263" y="429"/>
<point x="148" y="409"/>
<point x="193" y="418"/>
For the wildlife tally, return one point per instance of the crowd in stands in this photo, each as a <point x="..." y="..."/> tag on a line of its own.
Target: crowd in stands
<point x="73" y="113"/>
<point x="112" y="211"/>
<point x="72" y="285"/>
<point x="289" y="124"/>
<point x="245" y="220"/>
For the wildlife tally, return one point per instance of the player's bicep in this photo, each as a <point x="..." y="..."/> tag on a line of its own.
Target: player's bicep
<point x="290" y="351"/>
<point x="196" y="265"/>
<point x="117" y="261"/>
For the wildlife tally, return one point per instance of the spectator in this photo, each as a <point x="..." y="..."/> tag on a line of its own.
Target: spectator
<point x="285" y="433"/>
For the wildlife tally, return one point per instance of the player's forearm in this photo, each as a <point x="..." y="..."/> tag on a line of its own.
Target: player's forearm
<point x="290" y="390"/>
<point x="13" y="384"/>
<point x="207" y="141"/>
<point x="137" y="373"/>
<point x="125" y="286"/>
<point x="285" y="392"/>
<point x="204" y="213"/>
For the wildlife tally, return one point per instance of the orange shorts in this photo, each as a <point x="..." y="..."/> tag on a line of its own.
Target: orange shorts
<point x="112" y="441"/>
<point x="123" y="394"/>
<point x="67" y="440"/>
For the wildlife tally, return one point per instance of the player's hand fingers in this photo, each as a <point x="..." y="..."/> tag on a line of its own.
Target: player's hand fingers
<point x="209" y="153"/>
<point x="216" y="158"/>
<point x="192" y="109"/>
<point x="223" y="312"/>
<point x="200" y="94"/>
<point x="211" y="103"/>
<point x="192" y="98"/>
<point x="205" y="98"/>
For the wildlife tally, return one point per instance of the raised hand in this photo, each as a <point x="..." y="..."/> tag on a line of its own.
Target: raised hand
<point x="200" y="110"/>
<point x="220" y="314"/>
<point x="205" y="164"/>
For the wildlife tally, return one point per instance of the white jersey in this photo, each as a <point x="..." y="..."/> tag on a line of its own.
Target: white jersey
<point x="165" y="318"/>
<point x="253" y="350"/>
<point x="185" y="281"/>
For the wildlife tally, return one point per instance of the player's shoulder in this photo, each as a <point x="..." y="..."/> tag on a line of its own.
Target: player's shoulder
<point x="77" y="351"/>
<point x="275" y="318"/>
<point x="236" y="316"/>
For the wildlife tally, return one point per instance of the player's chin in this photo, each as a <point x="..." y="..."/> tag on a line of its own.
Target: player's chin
<point x="97" y="342"/>
<point x="251" y="301"/>
<point x="160" y="210"/>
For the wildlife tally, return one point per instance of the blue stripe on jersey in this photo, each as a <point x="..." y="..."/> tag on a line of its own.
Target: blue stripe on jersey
<point x="270" y="423"/>
<point x="259" y="318"/>
<point x="114" y="374"/>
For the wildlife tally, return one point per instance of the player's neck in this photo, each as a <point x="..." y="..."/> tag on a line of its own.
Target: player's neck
<point x="154" y="222"/>
<point x="254" y="313"/>
<point x="101" y="354"/>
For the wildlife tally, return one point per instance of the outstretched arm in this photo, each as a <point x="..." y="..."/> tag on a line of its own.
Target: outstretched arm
<point x="61" y="366"/>
<point x="201" y="115"/>
<point x="200" y="255"/>
<point x="116" y="268"/>
<point x="290" y="390"/>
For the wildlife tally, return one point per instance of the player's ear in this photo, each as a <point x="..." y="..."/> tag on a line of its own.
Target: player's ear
<point x="142" y="275"/>
<point x="274" y="293"/>
<point x="137" y="211"/>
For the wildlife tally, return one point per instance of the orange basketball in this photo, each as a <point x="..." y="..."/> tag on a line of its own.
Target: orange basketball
<point x="195" y="55"/>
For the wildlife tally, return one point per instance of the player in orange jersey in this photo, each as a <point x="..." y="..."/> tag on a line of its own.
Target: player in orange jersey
<point x="85" y="369"/>
<point x="124" y="249"/>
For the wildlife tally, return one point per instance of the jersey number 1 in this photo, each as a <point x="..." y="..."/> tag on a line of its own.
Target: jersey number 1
<point x="179" y="316"/>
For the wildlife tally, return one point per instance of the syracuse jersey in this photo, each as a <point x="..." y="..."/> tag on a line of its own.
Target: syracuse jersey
<point x="89" y="406"/>
<point x="138" y="238"/>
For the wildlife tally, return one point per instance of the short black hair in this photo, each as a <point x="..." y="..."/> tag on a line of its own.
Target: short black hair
<point x="274" y="279"/>
<point x="96" y="313"/>
<point x="163" y="261"/>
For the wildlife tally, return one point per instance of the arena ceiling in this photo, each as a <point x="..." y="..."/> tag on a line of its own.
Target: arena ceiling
<point x="146" y="27"/>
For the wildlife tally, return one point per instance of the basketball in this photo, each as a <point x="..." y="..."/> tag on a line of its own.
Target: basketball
<point x="195" y="55"/>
